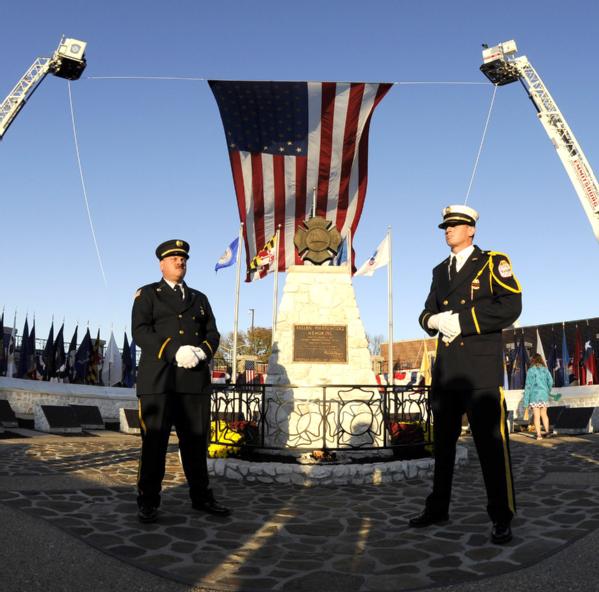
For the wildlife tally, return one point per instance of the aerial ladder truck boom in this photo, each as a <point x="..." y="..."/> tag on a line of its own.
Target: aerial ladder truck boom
<point x="68" y="61"/>
<point x="501" y="67"/>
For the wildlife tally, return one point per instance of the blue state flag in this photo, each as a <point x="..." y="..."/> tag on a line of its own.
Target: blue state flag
<point x="229" y="257"/>
<point x="341" y="256"/>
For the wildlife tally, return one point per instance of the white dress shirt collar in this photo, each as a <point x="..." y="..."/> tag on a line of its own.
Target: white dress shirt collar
<point x="461" y="257"/>
<point x="173" y="284"/>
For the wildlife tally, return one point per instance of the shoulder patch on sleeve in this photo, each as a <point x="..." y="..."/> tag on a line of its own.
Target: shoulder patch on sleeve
<point x="505" y="269"/>
<point x="502" y="272"/>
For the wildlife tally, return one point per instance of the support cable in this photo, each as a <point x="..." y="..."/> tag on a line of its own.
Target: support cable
<point x="482" y="141"/>
<point x="89" y="216"/>
<point x="442" y="82"/>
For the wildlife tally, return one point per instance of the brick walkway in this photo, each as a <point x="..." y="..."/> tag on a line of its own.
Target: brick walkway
<point x="350" y="538"/>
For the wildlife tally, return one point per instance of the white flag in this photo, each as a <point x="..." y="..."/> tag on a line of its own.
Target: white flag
<point x="112" y="370"/>
<point x="540" y="347"/>
<point x="380" y="258"/>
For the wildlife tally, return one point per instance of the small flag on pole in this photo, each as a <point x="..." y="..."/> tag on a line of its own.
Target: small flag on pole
<point x="565" y="358"/>
<point x="250" y="371"/>
<point x="379" y="258"/>
<point x="229" y="257"/>
<point x="112" y="368"/>
<point x="590" y="362"/>
<point x="540" y="350"/>
<point x="262" y="263"/>
<point x="341" y="256"/>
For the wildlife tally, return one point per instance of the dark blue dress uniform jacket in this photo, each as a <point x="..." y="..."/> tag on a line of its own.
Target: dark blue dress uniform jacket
<point x="487" y="296"/>
<point x="161" y="323"/>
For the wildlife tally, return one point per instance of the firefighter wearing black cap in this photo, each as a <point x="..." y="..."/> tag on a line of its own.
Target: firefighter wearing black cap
<point x="174" y="326"/>
<point x="474" y="295"/>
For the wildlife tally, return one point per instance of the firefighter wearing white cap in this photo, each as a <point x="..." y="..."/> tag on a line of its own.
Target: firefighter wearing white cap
<point x="474" y="295"/>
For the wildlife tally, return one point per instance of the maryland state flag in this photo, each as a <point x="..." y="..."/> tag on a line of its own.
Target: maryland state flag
<point x="264" y="260"/>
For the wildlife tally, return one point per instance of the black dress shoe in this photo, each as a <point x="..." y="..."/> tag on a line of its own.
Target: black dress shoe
<point x="427" y="518"/>
<point x="501" y="533"/>
<point x="147" y="513"/>
<point x="211" y="506"/>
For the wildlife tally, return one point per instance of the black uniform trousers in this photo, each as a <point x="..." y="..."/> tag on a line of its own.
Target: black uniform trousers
<point x="190" y="414"/>
<point x="486" y="412"/>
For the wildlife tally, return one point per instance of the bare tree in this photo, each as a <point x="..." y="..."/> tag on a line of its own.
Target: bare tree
<point x="374" y="343"/>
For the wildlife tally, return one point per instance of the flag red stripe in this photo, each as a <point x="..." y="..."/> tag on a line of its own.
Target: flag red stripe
<point x="258" y="196"/>
<point x="349" y="147"/>
<point x="301" y="179"/>
<point x="235" y="158"/>
<point x="326" y="146"/>
<point x="279" y="184"/>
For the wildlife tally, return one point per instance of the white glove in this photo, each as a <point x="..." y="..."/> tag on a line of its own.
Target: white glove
<point x="435" y="320"/>
<point x="200" y="353"/>
<point x="448" y="340"/>
<point x="450" y="325"/>
<point x="186" y="357"/>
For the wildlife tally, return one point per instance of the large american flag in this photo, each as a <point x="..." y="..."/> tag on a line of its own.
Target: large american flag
<point x="286" y="138"/>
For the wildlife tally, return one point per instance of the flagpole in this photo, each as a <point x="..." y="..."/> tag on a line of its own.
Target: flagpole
<point x="275" y="295"/>
<point x="390" y="306"/>
<point x="236" y="311"/>
<point x="349" y="253"/>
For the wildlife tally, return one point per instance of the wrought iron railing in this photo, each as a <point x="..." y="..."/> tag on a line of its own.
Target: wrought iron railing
<point x="327" y="417"/>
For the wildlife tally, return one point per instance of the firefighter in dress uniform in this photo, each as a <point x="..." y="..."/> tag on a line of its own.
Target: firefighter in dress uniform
<point x="174" y="326"/>
<point x="474" y="295"/>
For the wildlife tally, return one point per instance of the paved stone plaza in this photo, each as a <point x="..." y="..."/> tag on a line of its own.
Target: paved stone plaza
<point x="282" y="537"/>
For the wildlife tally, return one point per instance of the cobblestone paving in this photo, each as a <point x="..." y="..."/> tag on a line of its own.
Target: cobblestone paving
<point x="350" y="538"/>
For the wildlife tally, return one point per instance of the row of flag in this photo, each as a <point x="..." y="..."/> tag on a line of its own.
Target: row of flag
<point x="580" y="368"/>
<point x="86" y="363"/>
<point x="262" y="263"/>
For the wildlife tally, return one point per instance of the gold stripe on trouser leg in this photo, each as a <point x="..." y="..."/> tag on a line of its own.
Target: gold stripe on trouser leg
<point x="142" y="425"/>
<point x="506" y="455"/>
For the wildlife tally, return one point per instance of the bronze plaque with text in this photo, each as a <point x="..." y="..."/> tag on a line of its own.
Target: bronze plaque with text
<point x="320" y="343"/>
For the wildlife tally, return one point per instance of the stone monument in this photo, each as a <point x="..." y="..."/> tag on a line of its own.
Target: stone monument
<point x="319" y="340"/>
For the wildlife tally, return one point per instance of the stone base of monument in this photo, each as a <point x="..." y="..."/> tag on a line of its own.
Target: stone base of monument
<point x="8" y="419"/>
<point x="56" y="419"/>
<point x="129" y="421"/>
<point x="319" y="341"/>
<point x="314" y="475"/>
<point x="88" y="416"/>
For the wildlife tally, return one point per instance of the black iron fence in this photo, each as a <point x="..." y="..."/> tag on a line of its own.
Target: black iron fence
<point x="327" y="417"/>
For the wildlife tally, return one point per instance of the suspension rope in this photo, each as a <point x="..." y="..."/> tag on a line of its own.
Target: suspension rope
<point x="141" y="78"/>
<point x="482" y="141"/>
<point x="444" y="82"/>
<point x="89" y="216"/>
<point x="415" y="82"/>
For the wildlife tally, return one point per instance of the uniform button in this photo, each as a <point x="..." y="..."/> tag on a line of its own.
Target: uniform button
<point x="445" y="302"/>
<point x="180" y="316"/>
<point x="462" y="343"/>
<point x="446" y="344"/>
<point x="193" y="318"/>
<point x="462" y="301"/>
<point x="197" y="333"/>
<point x="181" y="332"/>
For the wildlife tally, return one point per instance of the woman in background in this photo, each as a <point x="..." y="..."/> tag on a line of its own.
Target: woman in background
<point x="536" y="393"/>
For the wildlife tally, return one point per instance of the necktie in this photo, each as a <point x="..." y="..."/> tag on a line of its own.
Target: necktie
<point x="453" y="270"/>
<point x="178" y="291"/>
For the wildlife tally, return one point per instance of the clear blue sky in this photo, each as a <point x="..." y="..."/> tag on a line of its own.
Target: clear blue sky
<point x="156" y="165"/>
